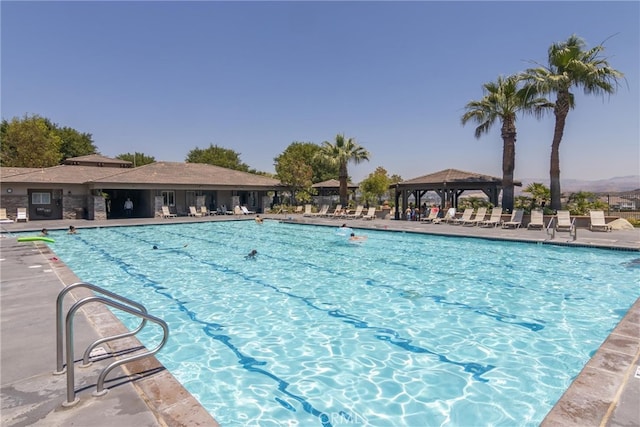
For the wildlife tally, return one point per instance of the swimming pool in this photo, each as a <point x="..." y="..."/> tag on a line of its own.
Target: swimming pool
<point x="401" y="330"/>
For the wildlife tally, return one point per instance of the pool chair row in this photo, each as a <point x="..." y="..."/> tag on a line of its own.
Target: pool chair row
<point x="21" y="215"/>
<point x="471" y="218"/>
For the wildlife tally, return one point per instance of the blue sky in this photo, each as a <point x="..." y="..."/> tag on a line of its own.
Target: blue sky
<point x="163" y="78"/>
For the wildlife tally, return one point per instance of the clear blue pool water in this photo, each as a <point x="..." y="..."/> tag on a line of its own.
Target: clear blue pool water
<point x="401" y="330"/>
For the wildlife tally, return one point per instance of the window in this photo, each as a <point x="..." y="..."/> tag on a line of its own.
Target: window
<point x="41" y="198"/>
<point x="168" y="198"/>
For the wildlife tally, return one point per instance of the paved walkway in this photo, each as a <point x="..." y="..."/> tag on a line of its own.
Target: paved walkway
<point x="143" y="393"/>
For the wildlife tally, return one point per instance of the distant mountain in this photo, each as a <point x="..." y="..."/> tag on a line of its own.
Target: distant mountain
<point x="612" y="185"/>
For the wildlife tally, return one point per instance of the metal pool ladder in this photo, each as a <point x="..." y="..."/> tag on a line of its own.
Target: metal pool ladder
<point x="66" y="332"/>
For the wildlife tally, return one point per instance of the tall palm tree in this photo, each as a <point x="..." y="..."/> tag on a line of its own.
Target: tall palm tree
<point x="502" y="101"/>
<point x="570" y="64"/>
<point x="341" y="153"/>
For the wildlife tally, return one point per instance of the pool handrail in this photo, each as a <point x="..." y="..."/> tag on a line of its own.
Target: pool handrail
<point x="71" y="395"/>
<point x="60" y="368"/>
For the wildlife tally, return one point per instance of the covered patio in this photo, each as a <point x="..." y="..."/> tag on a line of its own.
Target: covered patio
<point x="448" y="184"/>
<point x="330" y="188"/>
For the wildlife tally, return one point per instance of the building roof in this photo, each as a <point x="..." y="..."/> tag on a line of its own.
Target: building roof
<point x="96" y="159"/>
<point x="164" y="174"/>
<point x="189" y="174"/>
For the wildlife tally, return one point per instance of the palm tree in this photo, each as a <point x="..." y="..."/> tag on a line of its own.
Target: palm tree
<point x="340" y="153"/>
<point x="502" y="101"/>
<point x="569" y="65"/>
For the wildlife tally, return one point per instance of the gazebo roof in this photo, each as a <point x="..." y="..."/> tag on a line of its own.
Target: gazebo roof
<point x="452" y="178"/>
<point x="333" y="184"/>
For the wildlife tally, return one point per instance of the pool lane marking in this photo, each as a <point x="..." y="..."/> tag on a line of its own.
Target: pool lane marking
<point x="247" y="362"/>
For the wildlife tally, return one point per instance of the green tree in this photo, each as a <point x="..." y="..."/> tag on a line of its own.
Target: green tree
<point x="540" y="196"/>
<point x="394" y="179"/>
<point x="375" y="186"/>
<point x="340" y="154"/>
<point x="570" y="65"/>
<point x="503" y="100"/>
<point x="29" y="143"/>
<point x="295" y="174"/>
<point x="137" y="159"/>
<point x="217" y="156"/>
<point x="582" y="202"/>
<point x="74" y="143"/>
<point x="307" y="153"/>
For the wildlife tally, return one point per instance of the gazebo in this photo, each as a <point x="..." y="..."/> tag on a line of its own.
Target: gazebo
<point x="331" y="188"/>
<point x="449" y="184"/>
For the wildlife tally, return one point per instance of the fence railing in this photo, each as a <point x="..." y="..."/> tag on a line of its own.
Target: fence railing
<point x="624" y="205"/>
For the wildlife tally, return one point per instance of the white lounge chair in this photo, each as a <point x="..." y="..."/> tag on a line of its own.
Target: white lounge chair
<point x="494" y="220"/>
<point x="3" y="216"/>
<point x="516" y="219"/>
<point x="537" y="220"/>
<point x="466" y="216"/>
<point x="246" y="211"/>
<point x="22" y="215"/>
<point x="322" y="212"/>
<point x="356" y="214"/>
<point x="204" y="211"/>
<point x="193" y="211"/>
<point x="337" y="212"/>
<point x="371" y="214"/>
<point x="482" y="212"/>
<point x="598" y="222"/>
<point x="307" y="210"/>
<point x="433" y="214"/>
<point x="166" y="213"/>
<point x="563" y="221"/>
<point x="448" y="217"/>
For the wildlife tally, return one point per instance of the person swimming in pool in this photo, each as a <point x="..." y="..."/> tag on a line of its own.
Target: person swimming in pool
<point x="252" y="254"/>
<point x="156" y="246"/>
<point x="354" y="238"/>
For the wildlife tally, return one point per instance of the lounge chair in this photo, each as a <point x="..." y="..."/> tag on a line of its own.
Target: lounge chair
<point x="466" y="216"/>
<point x="537" y="220"/>
<point x="448" y="217"/>
<point x="307" y="210"/>
<point x="598" y="223"/>
<point x="516" y="219"/>
<point x="494" y="220"/>
<point x="166" y="213"/>
<point x="337" y="212"/>
<point x="193" y="211"/>
<point x="298" y="209"/>
<point x="204" y="211"/>
<point x="237" y="211"/>
<point x="246" y="211"/>
<point x="433" y="214"/>
<point x="3" y="216"/>
<point x="371" y="214"/>
<point x="22" y="215"/>
<point x="563" y="221"/>
<point x="482" y="212"/>
<point x="356" y="214"/>
<point x="322" y="212"/>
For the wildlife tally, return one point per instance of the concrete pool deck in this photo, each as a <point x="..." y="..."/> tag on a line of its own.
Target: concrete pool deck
<point x="143" y="393"/>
